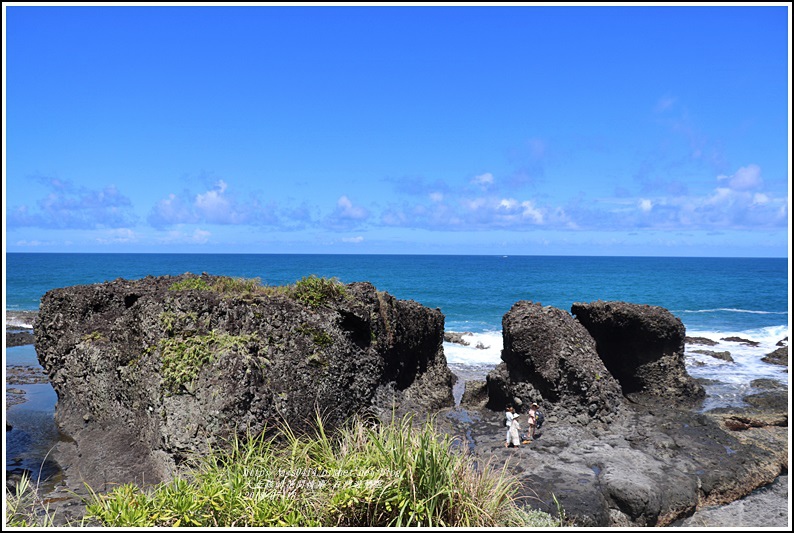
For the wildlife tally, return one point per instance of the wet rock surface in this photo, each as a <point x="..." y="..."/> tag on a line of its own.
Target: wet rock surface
<point x="777" y="357"/>
<point x="703" y="341"/>
<point x="18" y="338"/>
<point x="724" y="356"/>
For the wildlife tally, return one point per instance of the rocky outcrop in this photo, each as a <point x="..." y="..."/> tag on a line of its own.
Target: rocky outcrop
<point x="777" y="357"/>
<point x="700" y="340"/>
<point x="740" y="340"/>
<point x="724" y="356"/>
<point x="150" y="372"/>
<point x="18" y="338"/>
<point x="549" y="358"/>
<point x="642" y="346"/>
<point x="652" y="466"/>
<point x="649" y="461"/>
<point x="475" y="394"/>
<point x="456" y="337"/>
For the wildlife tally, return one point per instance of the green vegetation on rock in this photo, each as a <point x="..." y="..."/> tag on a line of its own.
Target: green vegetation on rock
<point x="183" y="358"/>
<point x="310" y="290"/>
<point x="314" y="291"/>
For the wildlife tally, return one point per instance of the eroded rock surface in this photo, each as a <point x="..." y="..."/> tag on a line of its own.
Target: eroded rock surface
<point x="147" y="375"/>
<point x="549" y="358"/>
<point x="642" y="346"/>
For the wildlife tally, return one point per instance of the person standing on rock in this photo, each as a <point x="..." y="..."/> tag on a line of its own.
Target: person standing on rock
<point x="532" y="420"/>
<point x="511" y="421"/>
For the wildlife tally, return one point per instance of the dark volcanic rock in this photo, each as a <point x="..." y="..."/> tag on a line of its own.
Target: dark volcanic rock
<point x="549" y="358"/>
<point x="778" y="357"/>
<point x="475" y="394"/>
<point x="652" y="466"/>
<point x="147" y="376"/>
<point x="457" y="338"/>
<point x="643" y="348"/>
<point x="740" y="340"/>
<point x="18" y="338"/>
<point x="700" y="340"/>
<point x="725" y="356"/>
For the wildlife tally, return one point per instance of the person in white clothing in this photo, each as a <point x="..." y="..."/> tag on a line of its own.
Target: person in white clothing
<point x="511" y="421"/>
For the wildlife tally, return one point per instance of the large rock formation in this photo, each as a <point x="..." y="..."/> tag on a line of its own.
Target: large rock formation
<point x="149" y="372"/>
<point x="610" y="462"/>
<point x="642" y="346"/>
<point x="548" y="357"/>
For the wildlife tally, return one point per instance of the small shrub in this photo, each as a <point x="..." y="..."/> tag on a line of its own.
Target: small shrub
<point x="190" y="284"/>
<point x="314" y="291"/>
<point x="320" y="338"/>
<point x="241" y="287"/>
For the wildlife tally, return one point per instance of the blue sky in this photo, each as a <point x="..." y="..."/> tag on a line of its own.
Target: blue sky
<point x="558" y="130"/>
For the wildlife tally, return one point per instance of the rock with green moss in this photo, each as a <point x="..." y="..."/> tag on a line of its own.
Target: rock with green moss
<point x="151" y="372"/>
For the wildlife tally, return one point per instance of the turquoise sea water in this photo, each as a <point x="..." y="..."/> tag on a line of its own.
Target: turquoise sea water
<point x="713" y="297"/>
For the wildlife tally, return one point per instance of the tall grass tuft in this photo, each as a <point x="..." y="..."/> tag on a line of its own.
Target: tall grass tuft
<point x="364" y="474"/>
<point x="24" y="507"/>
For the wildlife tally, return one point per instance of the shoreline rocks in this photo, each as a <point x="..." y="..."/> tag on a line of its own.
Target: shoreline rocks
<point x="624" y="443"/>
<point x="643" y="348"/>
<point x="631" y="450"/>
<point x="652" y="466"/>
<point x="148" y="373"/>
<point x="777" y="357"/>
<point x="550" y="358"/>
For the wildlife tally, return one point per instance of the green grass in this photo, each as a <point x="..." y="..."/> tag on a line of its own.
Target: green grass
<point x="312" y="290"/>
<point x="371" y="475"/>
<point x="190" y="284"/>
<point x="24" y="508"/>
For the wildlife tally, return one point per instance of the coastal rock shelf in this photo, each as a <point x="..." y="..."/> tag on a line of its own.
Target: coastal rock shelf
<point x="150" y="372"/>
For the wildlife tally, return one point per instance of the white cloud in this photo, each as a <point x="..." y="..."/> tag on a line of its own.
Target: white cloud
<point x="508" y="204"/>
<point x="475" y="204"/>
<point x="530" y="211"/>
<point x="760" y="198"/>
<point x="483" y="180"/>
<point x="645" y="205"/>
<point x="436" y="197"/>
<point x="353" y="240"/>
<point x="215" y="208"/>
<point x="721" y="196"/>
<point x="346" y="209"/>
<point x="198" y="236"/>
<point x="744" y="179"/>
